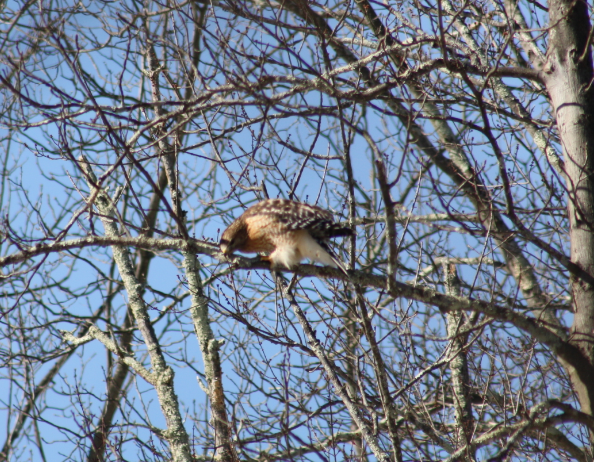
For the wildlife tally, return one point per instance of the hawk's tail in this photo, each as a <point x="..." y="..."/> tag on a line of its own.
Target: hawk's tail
<point x="335" y="230"/>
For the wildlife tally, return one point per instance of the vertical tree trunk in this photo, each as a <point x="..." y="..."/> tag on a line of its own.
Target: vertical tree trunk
<point x="569" y="83"/>
<point x="459" y="367"/>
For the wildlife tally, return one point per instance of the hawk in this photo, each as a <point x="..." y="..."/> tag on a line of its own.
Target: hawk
<point x="286" y="232"/>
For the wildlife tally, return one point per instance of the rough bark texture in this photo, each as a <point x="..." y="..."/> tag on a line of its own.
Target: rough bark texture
<point x="459" y="366"/>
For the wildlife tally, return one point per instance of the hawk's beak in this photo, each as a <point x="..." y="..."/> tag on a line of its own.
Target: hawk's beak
<point x="224" y="248"/>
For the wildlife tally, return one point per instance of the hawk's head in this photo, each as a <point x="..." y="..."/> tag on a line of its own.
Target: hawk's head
<point x="234" y="237"/>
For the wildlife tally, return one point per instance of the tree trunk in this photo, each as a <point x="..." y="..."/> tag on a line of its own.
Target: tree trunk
<point x="569" y="79"/>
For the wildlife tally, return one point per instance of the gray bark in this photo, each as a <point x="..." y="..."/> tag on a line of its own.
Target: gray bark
<point x="569" y="78"/>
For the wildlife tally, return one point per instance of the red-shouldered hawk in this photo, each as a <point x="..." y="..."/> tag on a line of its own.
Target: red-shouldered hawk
<point x="286" y="231"/>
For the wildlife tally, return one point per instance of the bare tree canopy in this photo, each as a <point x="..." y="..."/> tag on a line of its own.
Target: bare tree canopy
<point x="454" y="140"/>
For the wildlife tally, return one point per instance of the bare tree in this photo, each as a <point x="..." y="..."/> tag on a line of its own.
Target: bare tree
<point x="455" y="138"/>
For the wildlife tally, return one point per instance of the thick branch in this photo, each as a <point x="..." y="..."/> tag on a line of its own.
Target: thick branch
<point x="176" y="433"/>
<point x="209" y="346"/>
